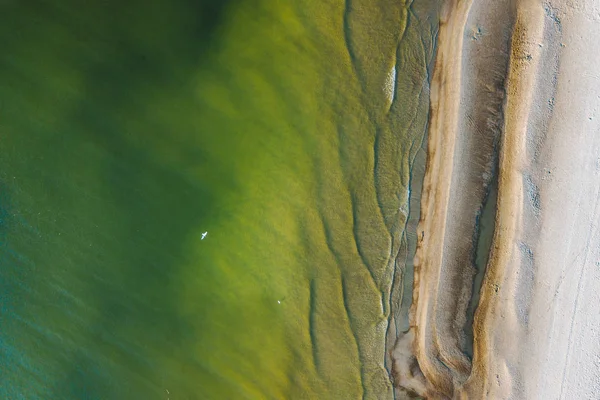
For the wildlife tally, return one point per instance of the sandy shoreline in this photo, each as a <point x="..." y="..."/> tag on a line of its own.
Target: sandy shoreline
<point x="535" y="330"/>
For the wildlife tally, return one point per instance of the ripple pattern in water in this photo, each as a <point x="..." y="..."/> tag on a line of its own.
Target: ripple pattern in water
<point x="127" y="129"/>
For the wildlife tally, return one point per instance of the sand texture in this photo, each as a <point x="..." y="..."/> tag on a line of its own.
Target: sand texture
<point x="514" y="104"/>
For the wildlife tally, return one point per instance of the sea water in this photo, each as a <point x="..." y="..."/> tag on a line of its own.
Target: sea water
<point x="283" y="129"/>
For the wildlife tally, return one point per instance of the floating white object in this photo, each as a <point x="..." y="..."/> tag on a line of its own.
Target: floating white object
<point x="204" y="235"/>
<point x="389" y="86"/>
<point x="278" y="302"/>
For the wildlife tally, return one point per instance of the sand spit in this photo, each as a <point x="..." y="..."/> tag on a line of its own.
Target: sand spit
<point x="514" y="97"/>
<point x="435" y="342"/>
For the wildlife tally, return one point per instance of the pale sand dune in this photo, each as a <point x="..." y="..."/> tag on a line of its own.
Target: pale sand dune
<point x="536" y="332"/>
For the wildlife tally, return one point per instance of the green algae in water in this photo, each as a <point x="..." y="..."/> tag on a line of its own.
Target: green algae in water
<point x="127" y="129"/>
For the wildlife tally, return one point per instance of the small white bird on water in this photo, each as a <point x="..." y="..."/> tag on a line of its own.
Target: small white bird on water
<point x="204" y="235"/>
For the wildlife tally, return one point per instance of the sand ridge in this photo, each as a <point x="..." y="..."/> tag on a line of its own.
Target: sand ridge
<point x="527" y="35"/>
<point x="431" y="352"/>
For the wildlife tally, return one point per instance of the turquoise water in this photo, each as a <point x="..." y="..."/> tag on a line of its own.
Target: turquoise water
<point x="127" y="129"/>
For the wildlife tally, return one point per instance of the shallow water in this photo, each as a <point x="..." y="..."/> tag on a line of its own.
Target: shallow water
<point x="127" y="129"/>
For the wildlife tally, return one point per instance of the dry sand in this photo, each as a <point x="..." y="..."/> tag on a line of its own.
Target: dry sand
<point x="526" y="73"/>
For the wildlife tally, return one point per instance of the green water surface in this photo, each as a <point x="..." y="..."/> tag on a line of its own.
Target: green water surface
<point x="129" y="128"/>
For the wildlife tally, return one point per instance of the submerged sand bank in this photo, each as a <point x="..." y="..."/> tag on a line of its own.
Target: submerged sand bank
<point x="522" y="75"/>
